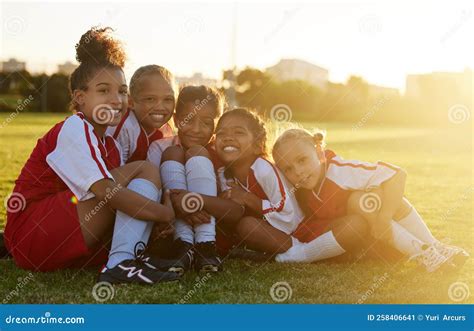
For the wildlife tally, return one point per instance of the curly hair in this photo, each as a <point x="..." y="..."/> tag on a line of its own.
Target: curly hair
<point x="96" y="49"/>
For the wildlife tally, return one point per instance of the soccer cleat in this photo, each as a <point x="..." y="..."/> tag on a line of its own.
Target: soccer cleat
<point x="135" y="271"/>
<point x="247" y="254"/>
<point x="456" y="255"/>
<point x="206" y="257"/>
<point x="154" y="262"/>
<point x="184" y="257"/>
<point x="431" y="259"/>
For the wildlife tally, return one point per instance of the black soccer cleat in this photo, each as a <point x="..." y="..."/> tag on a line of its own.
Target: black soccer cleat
<point x="135" y="271"/>
<point x="207" y="259"/>
<point x="184" y="257"/>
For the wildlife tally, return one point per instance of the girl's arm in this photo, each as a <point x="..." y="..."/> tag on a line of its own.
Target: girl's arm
<point x="244" y="198"/>
<point x="221" y="209"/>
<point x="132" y="203"/>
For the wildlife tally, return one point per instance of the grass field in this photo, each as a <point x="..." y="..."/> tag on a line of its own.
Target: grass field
<point x="439" y="164"/>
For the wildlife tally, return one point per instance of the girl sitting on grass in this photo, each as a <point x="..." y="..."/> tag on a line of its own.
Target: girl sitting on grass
<point x="272" y="222"/>
<point x="328" y="188"/>
<point x="152" y="102"/>
<point x="76" y="191"/>
<point x="188" y="163"/>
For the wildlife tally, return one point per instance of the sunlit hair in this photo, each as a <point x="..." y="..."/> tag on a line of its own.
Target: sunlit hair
<point x="151" y="69"/>
<point x="254" y="124"/>
<point x="96" y="50"/>
<point x="200" y="96"/>
<point x="299" y="134"/>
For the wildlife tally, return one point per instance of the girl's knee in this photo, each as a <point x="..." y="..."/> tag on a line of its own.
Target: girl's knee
<point x="150" y="172"/>
<point x="173" y="153"/>
<point x="196" y="150"/>
<point x="365" y="203"/>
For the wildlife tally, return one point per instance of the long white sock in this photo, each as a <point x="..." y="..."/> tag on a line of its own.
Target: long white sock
<point x="201" y="178"/>
<point x="128" y="231"/>
<point x="323" y="247"/>
<point x="415" y="224"/>
<point x="404" y="241"/>
<point x="173" y="176"/>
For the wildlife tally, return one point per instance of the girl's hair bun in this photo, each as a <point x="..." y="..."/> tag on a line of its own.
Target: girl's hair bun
<point x="318" y="138"/>
<point x="97" y="46"/>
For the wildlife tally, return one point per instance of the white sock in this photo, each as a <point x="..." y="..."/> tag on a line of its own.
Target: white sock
<point x="415" y="224"/>
<point x="201" y="178"/>
<point x="404" y="241"/>
<point x="323" y="247"/>
<point x="128" y="231"/>
<point x="173" y="176"/>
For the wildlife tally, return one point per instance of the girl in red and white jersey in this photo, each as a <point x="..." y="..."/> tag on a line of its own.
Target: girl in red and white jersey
<point x="74" y="192"/>
<point x="152" y="102"/>
<point x="330" y="188"/>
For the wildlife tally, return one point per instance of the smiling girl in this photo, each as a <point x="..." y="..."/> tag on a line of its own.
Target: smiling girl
<point x="188" y="164"/>
<point x="152" y="102"/>
<point x="329" y="188"/>
<point x="74" y="190"/>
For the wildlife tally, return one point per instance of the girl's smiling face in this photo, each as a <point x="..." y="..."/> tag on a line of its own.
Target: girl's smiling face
<point x="195" y="124"/>
<point x="234" y="141"/>
<point x="154" y="102"/>
<point x="299" y="161"/>
<point x="105" y="98"/>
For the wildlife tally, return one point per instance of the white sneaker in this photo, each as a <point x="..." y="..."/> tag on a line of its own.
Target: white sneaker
<point x="456" y="255"/>
<point x="430" y="258"/>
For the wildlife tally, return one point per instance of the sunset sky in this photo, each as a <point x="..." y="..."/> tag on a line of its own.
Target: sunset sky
<point x="379" y="40"/>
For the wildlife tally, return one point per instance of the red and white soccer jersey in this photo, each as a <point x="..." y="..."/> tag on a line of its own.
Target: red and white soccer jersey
<point x="133" y="138"/>
<point x="44" y="234"/>
<point x="279" y="204"/>
<point x="329" y="201"/>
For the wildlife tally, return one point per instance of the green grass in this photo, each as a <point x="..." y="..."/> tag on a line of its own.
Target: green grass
<point x="439" y="164"/>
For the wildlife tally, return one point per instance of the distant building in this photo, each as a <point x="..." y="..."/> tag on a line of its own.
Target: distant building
<point x="376" y="91"/>
<point x="66" y="68"/>
<point x="196" y="79"/>
<point x="12" y="65"/>
<point x="414" y="83"/>
<point x="293" y="69"/>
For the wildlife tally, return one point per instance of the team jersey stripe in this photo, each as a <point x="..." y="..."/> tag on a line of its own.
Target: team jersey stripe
<point x="120" y="125"/>
<point x="281" y="205"/>
<point x="352" y="165"/>
<point x="94" y="156"/>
